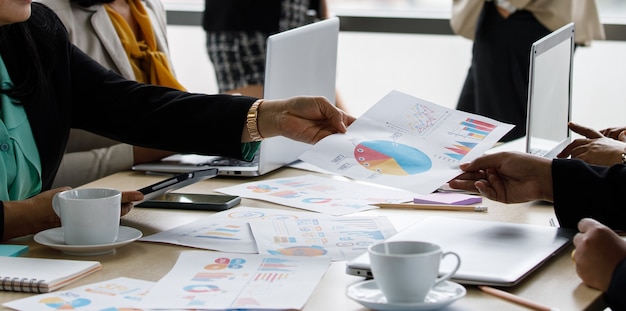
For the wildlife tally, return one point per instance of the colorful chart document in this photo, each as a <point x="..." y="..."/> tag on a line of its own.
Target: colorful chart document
<point x="279" y="232"/>
<point x="116" y="294"/>
<point x="216" y="281"/>
<point x="320" y="194"/>
<point x="226" y="231"/>
<point x="339" y="238"/>
<point x="407" y="143"/>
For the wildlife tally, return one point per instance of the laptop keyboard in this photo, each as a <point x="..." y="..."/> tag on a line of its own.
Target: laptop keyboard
<point x="538" y="152"/>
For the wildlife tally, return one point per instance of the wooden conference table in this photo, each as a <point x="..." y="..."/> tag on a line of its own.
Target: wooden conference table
<point x="555" y="284"/>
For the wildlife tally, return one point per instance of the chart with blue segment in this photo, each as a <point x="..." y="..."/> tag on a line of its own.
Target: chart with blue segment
<point x="387" y="157"/>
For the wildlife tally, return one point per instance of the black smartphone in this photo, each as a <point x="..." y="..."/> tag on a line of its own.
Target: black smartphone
<point x="175" y="182"/>
<point x="193" y="201"/>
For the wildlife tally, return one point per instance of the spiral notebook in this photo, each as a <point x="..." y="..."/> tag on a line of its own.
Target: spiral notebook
<point x="42" y="275"/>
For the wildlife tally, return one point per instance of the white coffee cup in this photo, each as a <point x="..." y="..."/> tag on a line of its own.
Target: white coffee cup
<point x="405" y="271"/>
<point x="89" y="216"/>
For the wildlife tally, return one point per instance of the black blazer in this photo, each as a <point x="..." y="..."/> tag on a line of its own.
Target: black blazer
<point x="582" y="190"/>
<point x="87" y="96"/>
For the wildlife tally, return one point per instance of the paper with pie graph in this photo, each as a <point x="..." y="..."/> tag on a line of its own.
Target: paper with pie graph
<point x="407" y="143"/>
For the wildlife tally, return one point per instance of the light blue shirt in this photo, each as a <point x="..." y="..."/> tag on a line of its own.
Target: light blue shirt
<point x="20" y="165"/>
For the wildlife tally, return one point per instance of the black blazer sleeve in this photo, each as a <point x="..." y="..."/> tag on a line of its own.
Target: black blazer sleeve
<point x="85" y="95"/>
<point x="582" y="190"/>
<point x="614" y="296"/>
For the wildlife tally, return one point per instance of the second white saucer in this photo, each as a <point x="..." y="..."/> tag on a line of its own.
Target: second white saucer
<point x="53" y="238"/>
<point x="369" y="295"/>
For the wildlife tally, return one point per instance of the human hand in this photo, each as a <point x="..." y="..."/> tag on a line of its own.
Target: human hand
<point x="598" y="251"/>
<point x="618" y="133"/>
<point x="31" y="215"/>
<point x="303" y="118"/>
<point x="508" y="177"/>
<point x="595" y="148"/>
<point x="128" y="197"/>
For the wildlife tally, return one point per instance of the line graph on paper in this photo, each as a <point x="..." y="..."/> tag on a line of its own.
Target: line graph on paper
<point x="419" y="120"/>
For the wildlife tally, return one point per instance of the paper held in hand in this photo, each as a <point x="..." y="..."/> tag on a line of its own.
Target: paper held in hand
<point x="407" y="143"/>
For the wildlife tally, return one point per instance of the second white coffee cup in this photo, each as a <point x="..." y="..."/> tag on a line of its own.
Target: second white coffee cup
<point x="405" y="271"/>
<point x="89" y="216"/>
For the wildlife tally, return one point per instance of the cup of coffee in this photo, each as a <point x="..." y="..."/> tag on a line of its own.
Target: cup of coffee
<point x="89" y="216"/>
<point x="405" y="271"/>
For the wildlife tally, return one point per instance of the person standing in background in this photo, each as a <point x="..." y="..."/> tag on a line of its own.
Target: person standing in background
<point x="503" y="32"/>
<point x="130" y="38"/>
<point x="237" y="32"/>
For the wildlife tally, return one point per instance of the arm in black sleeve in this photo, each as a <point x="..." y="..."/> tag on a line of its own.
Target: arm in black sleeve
<point x="582" y="190"/>
<point x="614" y="296"/>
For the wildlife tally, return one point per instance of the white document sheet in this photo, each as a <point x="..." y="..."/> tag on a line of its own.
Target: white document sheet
<point x="226" y="231"/>
<point x="407" y="143"/>
<point x="116" y="294"/>
<point x="320" y="194"/>
<point x="216" y="281"/>
<point x="339" y="238"/>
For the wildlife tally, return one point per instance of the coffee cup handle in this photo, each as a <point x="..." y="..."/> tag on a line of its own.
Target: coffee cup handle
<point x="55" y="204"/>
<point x="451" y="273"/>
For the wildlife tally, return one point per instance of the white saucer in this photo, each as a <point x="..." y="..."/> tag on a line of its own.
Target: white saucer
<point x="368" y="294"/>
<point x="53" y="238"/>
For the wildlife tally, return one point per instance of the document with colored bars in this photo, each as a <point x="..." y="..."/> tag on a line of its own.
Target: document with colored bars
<point x="407" y="143"/>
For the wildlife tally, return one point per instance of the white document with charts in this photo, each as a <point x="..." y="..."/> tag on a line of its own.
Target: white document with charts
<point x="407" y="143"/>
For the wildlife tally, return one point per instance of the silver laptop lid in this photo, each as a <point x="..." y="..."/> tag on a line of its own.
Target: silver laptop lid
<point x="492" y="253"/>
<point x="300" y="61"/>
<point x="550" y="92"/>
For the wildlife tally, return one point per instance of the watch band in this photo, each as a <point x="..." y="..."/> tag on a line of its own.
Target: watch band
<point x="251" y="121"/>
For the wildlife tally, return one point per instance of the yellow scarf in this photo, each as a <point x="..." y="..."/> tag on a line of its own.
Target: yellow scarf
<point x="149" y="64"/>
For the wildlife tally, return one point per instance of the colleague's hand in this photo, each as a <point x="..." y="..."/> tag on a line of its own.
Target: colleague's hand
<point x="618" y="133"/>
<point x="31" y="215"/>
<point x="509" y="177"/>
<point x="598" y="251"/>
<point x="595" y="148"/>
<point x="128" y="197"/>
<point x="302" y="118"/>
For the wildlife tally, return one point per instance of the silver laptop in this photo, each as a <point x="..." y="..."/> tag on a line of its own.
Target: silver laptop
<point x="492" y="253"/>
<point x="299" y="61"/>
<point x="549" y="96"/>
<point x="550" y="93"/>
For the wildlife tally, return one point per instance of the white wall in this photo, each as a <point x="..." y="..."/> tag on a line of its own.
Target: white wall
<point x="431" y="67"/>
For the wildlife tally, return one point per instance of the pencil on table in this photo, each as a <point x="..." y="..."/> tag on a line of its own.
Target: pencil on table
<point x="516" y="299"/>
<point x="441" y="207"/>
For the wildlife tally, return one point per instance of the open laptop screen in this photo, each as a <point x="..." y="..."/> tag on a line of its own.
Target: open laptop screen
<point x="550" y="92"/>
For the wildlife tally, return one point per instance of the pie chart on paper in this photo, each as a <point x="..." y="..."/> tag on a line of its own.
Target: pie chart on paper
<point x="391" y="158"/>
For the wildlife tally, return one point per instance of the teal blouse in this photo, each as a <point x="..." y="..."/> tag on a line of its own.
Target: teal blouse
<point x="20" y="166"/>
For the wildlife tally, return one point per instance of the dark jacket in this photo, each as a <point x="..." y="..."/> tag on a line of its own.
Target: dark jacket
<point x="85" y="95"/>
<point x="582" y="190"/>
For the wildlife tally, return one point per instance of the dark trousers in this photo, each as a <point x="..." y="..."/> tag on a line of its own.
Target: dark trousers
<point x="497" y="81"/>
